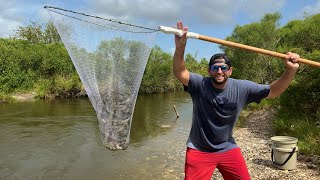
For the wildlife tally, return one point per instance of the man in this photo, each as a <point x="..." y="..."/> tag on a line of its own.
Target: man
<point x="217" y="102"/>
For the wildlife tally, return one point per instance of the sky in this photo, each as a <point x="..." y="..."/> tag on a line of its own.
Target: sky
<point x="215" y="18"/>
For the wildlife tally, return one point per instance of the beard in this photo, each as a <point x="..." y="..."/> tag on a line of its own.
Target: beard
<point x="215" y="81"/>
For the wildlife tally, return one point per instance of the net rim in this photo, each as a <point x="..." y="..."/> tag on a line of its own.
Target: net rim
<point x="147" y="29"/>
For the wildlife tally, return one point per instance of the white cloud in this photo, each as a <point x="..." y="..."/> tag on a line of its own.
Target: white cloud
<point x="14" y="13"/>
<point x="207" y="11"/>
<point x="256" y="9"/>
<point x="8" y="27"/>
<point x="166" y="10"/>
<point x="309" y="10"/>
<point x="215" y="12"/>
<point x="9" y="20"/>
<point x="203" y="11"/>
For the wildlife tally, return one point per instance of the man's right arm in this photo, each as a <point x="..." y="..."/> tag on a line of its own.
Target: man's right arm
<point x="179" y="68"/>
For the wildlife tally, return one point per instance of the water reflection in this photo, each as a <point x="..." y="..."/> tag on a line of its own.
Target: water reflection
<point x="154" y="114"/>
<point x="60" y="140"/>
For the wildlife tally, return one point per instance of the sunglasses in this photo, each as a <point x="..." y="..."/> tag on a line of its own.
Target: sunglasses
<point x="215" y="68"/>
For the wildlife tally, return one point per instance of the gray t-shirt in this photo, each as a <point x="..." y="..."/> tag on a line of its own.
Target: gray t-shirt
<point x="216" y="111"/>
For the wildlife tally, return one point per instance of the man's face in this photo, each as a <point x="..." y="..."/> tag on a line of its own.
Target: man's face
<point x="219" y="71"/>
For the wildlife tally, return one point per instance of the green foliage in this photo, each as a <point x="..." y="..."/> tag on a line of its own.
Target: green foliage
<point x="23" y="63"/>
<point x="48" y="70"/>
<point x="34" y="33"/>
<point x="298" y="125"/>
<point x="263" y="34"/>
<point x="59" y="87"/>
<point x="13" y="68"/>
<point x="303" y="95"/>
<point x="6" y="98"/>
<point x="300" y="104"/>
<point x="158" y="75"/>
<point x="66" y="86"/>
<point x="43" y="88"/>
<point x="194" y="66"/>
<point x="299" y="115"/>
<point x="51" y="34"/>
<point x="303" y="33"/>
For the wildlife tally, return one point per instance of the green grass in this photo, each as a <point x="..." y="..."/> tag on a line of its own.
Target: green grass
<point x="6" y="98"/>
<point x="305" y="127"/>
<point x="302" y="125"/>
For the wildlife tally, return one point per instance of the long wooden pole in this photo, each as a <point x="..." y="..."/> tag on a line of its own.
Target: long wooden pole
<point x="169" y="30"/>
<point x="255" y="49"/>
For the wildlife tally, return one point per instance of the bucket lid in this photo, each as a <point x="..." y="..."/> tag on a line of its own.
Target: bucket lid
<point x="284" y="139"/>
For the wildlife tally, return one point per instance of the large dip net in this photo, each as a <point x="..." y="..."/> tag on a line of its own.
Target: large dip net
<point x="110" y="57"/>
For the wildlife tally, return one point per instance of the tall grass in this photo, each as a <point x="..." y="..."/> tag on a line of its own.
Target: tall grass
<point x="301" y="126"/>
<point x="6" y="98"/>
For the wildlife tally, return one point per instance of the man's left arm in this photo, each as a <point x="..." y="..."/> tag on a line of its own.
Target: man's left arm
<point x="281" y="84"/>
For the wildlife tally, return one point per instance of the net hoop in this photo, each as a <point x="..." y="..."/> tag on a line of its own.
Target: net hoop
<point x="57" y="9"/>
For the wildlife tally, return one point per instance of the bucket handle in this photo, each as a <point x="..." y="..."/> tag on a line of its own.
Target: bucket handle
<point x="291" y="153"/>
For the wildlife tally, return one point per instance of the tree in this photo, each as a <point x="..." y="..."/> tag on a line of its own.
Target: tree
<point x="263" y="34"/>
<point x="34" y="33"/>
<point x="158" y="76"/>
<point x="51" y="34"/>
<point x="302" y="36"/>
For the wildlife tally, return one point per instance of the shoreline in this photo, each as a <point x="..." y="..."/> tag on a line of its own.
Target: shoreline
<point x="21" y="97"/>
<point x="255" y="143"/>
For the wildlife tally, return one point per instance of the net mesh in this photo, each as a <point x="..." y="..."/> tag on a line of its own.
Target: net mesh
<point x="110" y="58"/>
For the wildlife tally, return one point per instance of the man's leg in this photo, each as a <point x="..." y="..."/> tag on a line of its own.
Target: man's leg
<point x="199" y="165"/>
<point x="233" y="166"/>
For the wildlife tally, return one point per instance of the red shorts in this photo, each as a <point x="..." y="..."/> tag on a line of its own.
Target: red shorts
<point x="201" y="165"/>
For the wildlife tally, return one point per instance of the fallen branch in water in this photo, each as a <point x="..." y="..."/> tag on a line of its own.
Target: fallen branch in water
<point x="175" y="110"/>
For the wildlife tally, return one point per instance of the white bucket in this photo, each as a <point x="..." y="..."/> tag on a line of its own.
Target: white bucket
<point x="284" y="152"/>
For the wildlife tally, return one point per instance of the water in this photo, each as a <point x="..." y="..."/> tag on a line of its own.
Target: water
<point x="60" y="140"/>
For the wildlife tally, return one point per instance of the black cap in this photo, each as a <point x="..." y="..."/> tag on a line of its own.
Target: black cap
<point x="219" y="56"/>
